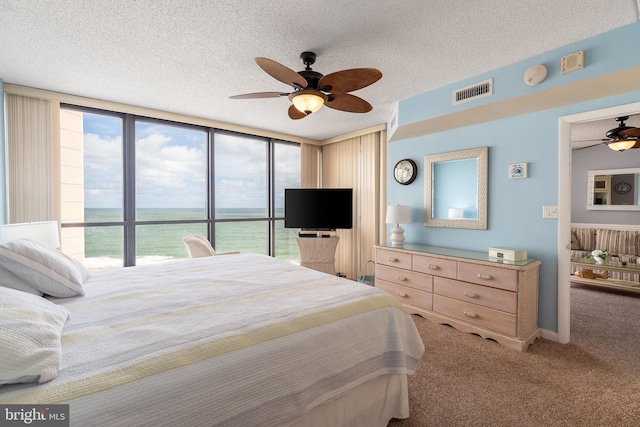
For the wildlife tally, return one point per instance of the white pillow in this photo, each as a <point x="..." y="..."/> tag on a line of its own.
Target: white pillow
<point x="10" y="280"/>
<point x="30" y="331"/>
<point x="44" y="268"/>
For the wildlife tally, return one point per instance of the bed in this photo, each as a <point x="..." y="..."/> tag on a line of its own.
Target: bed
<point x="238" y="340"/>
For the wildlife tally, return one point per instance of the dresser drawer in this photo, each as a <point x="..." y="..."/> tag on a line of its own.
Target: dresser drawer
<point x="410" y="296"/>
<point x="435" y="266"/>
<point x="393" y="258"/>
<point x="485" y="296"/>
<point x="476" y="314"/>
<point x="402" y="277"/>
<point x="489" y="276"/>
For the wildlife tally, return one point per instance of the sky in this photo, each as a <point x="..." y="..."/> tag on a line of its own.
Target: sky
<point x="171" y="164"/>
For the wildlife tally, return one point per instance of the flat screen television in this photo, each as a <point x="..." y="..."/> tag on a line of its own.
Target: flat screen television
<point x="318" y="208"/>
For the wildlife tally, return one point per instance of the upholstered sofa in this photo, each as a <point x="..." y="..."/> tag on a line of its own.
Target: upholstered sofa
<point x="624" y="243"/>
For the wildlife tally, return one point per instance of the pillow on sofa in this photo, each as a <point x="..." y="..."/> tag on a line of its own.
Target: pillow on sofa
<point x="30" y="331"/>
<point x="618" y="241"/>
<point x="586" y="238"/>
<point x="575" y="245"/>
<point x="44" y="268"/>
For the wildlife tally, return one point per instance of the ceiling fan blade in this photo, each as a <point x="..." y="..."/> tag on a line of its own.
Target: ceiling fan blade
<point x="635" y="132"/>
<point x="259" y="95"/>
<point x="587" y="143"/>
<point x="280" y="72"/>
<point x="349" y="103"/>
<point x="296" y="114"/>
<point x="349" y="80"/>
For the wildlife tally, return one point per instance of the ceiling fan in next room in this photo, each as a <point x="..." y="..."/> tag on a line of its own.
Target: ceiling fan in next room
<point x="622" y="137"/>
<point x="312" y="90"/>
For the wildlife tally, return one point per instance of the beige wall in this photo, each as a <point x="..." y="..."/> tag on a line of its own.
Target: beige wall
<point x="72" y="184"/>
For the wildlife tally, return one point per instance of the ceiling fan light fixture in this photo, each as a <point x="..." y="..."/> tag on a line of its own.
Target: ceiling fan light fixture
<point x="308" y="100"/>
<point x="621" y="144"/>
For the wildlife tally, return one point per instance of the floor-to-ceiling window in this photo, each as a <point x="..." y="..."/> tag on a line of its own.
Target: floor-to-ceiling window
<point x="134" y="186"/>
<point x="170" y="176"/>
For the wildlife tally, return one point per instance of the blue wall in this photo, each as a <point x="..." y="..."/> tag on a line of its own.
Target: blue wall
<point x="514" y="206"/>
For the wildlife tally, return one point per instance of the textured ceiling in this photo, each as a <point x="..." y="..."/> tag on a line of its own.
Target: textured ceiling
<point x="189" y="56"/>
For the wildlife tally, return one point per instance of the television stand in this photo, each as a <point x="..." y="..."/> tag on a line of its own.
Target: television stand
<point x="318" y="253"/>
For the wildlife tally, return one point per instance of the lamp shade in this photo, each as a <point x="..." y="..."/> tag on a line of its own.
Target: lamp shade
<point x="398" y="214"/>
<point x="621" y="144"/>
<point x="308" y="100"/>
<point x="43" y="231"/>
<point x="455" y="213"/>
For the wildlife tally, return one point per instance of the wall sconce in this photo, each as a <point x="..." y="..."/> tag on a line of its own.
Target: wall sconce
<point x="398" y="214"/>
<point x="44" y="231"/>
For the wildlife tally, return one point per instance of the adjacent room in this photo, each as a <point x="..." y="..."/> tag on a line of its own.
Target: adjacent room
<point x="366" y="213"/>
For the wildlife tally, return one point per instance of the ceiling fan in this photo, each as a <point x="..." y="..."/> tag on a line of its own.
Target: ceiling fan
<point x="622" y="137"/>
<point x="312" y="90"/>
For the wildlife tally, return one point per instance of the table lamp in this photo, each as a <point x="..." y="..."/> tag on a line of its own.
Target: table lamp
<point x="398" y="214"/>
<point x="455" y="213"/>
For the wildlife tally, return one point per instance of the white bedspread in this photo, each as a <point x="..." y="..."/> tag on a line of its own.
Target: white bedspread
<point x="237" y="340"/>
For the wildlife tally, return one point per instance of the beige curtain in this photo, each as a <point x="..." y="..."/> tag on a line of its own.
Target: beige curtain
<point x="309" y="159"/>
<point x="33" y="153"/>
<point x="358" y="163"/>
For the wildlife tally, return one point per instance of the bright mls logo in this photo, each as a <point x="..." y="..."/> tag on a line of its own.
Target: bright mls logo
<point x="35" y="415"/>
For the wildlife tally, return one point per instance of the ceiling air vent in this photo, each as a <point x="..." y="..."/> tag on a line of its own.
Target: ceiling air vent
<point x="478" y="90"/>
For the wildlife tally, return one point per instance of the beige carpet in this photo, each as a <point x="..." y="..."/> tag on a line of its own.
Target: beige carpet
<point x="464" y="380"/>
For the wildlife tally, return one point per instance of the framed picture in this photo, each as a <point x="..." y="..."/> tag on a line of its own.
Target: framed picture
<point x="517" y="170"/>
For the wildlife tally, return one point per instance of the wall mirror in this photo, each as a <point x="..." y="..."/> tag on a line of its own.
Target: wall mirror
<point x="455" y="189"/>
<point x="613" y="190"/>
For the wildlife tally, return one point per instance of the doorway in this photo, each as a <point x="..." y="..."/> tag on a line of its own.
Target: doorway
<point x="564" y="205"/>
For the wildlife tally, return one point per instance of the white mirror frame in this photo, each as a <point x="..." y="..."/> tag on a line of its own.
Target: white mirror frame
<point x="482" y="155"/>
<point x="591" y="190"/>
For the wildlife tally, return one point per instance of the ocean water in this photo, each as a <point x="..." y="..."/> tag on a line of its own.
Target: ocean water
<point x="161" y="243"/>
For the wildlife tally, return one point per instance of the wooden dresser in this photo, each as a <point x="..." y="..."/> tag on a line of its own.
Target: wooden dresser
<point x="465" y="289"/>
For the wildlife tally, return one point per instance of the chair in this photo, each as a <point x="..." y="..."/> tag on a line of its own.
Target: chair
<point x="198" y="247"/>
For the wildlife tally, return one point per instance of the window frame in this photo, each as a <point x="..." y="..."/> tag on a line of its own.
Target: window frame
<point x="129" y="222"/>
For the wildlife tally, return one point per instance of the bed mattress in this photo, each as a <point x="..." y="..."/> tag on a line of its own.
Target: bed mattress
<point x="238" y="340"/>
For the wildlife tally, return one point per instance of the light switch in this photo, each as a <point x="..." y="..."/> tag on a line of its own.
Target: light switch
<point x="549" y="212"/>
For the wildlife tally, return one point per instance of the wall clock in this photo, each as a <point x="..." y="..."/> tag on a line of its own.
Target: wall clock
<point x="622" y="188"/>
<point x="405" y="171"/>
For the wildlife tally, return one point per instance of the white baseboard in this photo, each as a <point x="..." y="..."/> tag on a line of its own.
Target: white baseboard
<point x="549" y="335"/>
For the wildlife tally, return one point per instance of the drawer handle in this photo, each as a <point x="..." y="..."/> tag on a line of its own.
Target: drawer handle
<point x="470" y="314"/>
<point x="471" y="295"/>
<point x="401" y="278"/>
<point x="402" y="294"/>
<point x="392" y="259"/>
<point x="433" y="267"/>
<point x="484" y="276"/>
